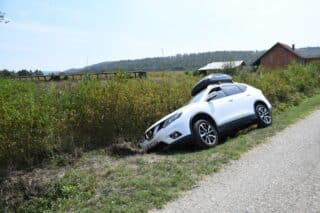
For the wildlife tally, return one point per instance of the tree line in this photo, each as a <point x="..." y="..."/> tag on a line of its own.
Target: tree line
<point x="9" y="74"/>
<point x="182" y="62"/>
<point x="178" y="62"/>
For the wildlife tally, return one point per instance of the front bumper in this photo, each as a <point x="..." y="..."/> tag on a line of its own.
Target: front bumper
<point x="167" y="135"/>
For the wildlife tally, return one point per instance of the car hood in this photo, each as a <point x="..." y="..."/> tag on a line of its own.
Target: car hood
<point x="169" y="115"/>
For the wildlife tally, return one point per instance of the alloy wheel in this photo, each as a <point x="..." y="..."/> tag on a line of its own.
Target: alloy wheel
<point x="264" y="114"/>
<point x="207" y="133"/>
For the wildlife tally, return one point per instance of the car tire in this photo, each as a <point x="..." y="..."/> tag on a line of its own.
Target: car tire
<point x="205" y="134"/>
<point x="264" y="116"/>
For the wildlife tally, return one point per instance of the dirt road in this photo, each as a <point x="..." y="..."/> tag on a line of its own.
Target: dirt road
<point x="282" y="175"/>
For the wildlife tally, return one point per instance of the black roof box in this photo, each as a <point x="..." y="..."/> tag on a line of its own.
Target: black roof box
<point x="215" y="78"/>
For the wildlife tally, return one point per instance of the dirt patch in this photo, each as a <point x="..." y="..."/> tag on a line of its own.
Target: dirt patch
<point x="123" y="150"/>
<point x="21" y="185"/>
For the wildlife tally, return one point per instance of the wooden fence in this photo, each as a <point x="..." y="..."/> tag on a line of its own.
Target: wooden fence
<point x="58" y="77"/>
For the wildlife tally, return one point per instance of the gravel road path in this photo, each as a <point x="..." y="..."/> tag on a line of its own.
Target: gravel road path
<point x="280" y="176"/>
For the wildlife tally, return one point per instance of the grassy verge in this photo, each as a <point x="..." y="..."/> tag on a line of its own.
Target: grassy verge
<point x="98" y="182"/>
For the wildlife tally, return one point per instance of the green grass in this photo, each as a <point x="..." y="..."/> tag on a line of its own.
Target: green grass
<point x="98" y="182"/>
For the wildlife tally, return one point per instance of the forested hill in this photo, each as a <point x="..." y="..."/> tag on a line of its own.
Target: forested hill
<point x="180" y="62"/>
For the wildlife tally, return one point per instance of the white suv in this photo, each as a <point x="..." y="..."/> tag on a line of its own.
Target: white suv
<point x="215" y="110"/>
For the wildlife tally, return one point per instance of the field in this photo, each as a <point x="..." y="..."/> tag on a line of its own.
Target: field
<point x="44" y="121"/>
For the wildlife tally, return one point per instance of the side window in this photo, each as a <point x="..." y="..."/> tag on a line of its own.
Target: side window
<point x="242" y="87"/>
<point x="231" y="89"/>
<point x="216" y="93"/>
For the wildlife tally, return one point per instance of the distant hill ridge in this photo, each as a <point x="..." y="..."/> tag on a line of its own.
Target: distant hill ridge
<point x="181" y="61"/>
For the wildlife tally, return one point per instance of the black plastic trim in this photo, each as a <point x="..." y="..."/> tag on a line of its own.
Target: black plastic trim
<point x="236" y="124"/>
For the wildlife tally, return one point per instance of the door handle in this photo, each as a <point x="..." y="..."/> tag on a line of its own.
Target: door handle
<point x="248" y="94"/>
<point x="230" y="100"/>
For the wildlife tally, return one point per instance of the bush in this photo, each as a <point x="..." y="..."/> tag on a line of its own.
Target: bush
<point x="37" y="120"/>
<point x="26" y="123"/>
<point x="284" y="87"/>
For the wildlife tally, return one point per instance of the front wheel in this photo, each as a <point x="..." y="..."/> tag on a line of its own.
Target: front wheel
<point x="264" y="115"/>
<point x="205" y="134"/>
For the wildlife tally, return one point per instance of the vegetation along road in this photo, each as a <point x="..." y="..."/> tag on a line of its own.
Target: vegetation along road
<point x="71" y="146"/>
<point x="280" y="176"/>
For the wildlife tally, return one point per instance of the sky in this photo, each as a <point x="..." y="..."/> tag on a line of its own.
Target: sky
<point x="55" y="35"/>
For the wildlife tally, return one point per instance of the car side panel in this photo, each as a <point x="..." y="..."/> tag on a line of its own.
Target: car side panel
<point x="231" y="108"/>
<point x="221" y="110"/>
<point x="245" y="102"/>
<point x="239" y="106"/>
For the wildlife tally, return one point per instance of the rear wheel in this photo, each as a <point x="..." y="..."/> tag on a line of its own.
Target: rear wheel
<point x="205" y="134"/>
<point x="264" y="115"/>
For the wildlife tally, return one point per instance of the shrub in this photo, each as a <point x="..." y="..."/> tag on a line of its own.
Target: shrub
<point x="26" y="123"/>
<point x="39" y="119"/>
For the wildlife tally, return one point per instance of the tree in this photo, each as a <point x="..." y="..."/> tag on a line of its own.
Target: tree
<point x="37" y="72"/>
<point x="6" y="73"/>
<point x="24" y="73"/>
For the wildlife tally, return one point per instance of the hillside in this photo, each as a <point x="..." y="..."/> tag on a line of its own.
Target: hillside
<point x="181" y="61"/>
<point x="178" y="62"/>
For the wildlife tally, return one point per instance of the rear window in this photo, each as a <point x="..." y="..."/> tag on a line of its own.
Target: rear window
<point x="231" y="89"/>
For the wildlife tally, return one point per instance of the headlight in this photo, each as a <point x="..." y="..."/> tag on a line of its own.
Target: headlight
<point x="171" y="119"/>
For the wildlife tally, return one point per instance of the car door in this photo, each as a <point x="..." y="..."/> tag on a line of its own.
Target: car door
<point x="247" y="100"/>
<point x="219" y="106"/>
<point x="237" y="107"/>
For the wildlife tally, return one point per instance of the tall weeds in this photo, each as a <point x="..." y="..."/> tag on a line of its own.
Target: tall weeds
<point x="39" y="119"/>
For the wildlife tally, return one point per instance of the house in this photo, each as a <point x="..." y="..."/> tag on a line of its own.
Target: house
<point x="222" y="65"/>
<point x="281" y="55"/>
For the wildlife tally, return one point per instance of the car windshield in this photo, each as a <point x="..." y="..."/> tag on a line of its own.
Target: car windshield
<point x="197" y="97"/>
